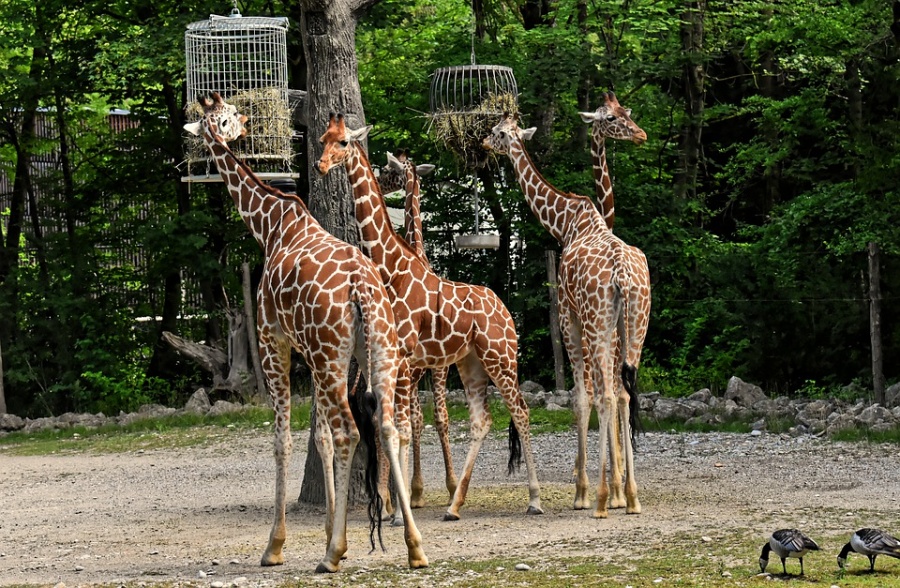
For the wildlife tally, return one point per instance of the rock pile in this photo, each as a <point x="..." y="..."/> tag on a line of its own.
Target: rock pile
<point x="742" y="402"/>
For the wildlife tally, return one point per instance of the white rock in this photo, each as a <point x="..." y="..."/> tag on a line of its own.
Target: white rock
<point x="706" y="539"/>
<point x="240" y="581"/>
<point x="521" y="567"/>
<point x="217" y="584"/>
<point x="658" y="581"/>
<point x="201" y="574"/>
<point x="726" y="574"/>
<point x="79" y="568"/>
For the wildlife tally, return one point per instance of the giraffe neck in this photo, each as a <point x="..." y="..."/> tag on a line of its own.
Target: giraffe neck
<point x="602" y="180"/>
<point x="565" y="216"/>
<point x="378" y="239"/>
<point x="413" y="217"/>
<point x="258" y="206"/>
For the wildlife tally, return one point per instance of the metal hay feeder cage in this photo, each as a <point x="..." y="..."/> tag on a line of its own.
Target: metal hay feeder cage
<point x="245" y="60"/>
<point x="466" y="102"/>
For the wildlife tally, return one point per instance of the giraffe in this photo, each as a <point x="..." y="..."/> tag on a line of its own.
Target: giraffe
<point x="325" y="299"/>
<point x="439" y="322"/>
<point x="594" y="293"/>
<point x="614" y="121"/>
<point x="401" y="173"/>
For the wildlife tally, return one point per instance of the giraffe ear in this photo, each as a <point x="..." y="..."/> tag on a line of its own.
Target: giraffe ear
<point x="587" y="117"/>
<point x="393" y="162"/>
<point x="358" y="134"/>
<point x="528" y="133"/>
<point x="193" y="128"/>
<point x="424" y="169"/>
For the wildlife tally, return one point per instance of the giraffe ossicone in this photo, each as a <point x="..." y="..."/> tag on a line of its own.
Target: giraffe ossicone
<point x="439" y="322"/>
<point x="323" y="298"/>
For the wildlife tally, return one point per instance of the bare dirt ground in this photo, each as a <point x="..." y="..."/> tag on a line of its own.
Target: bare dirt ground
<point x="202" y="515"/>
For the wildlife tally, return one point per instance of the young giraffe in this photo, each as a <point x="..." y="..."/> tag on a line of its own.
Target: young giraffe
<point x="614" y="121"/>
<point x="325" y="299"/>
<point x="594" y="293"/>
<point x="401" y="174"/>
<point x="439" y="322"/>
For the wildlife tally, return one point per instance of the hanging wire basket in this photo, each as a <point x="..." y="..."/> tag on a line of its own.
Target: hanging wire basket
<point x="466" y="102"/>
<point x="245" y="60"/>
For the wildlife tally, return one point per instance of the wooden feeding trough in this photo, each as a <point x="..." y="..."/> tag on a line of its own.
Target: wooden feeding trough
<point x="245" y="60"/>
<point x="466" y="102"/>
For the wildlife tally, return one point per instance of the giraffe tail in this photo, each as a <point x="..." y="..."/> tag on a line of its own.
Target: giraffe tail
<point x="629" y="372"/>
<point x="515" y="449"/>
<point x="365" y="409"/>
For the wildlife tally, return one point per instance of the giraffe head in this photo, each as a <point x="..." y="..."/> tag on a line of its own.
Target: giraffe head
<point x="393" y="175"/>
<point x="221" y="119"/>
<point x="504" y="133"/>
<point x="337" y="142"/>
<point x="613" y="121"/>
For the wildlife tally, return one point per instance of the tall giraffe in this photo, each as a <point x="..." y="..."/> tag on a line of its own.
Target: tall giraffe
<point x="439" y="322"/>
<point x="325" y="299"/>
<point x="594" y="294"/>
<point x="401" y="173"/>
<point x="612" y="120"/>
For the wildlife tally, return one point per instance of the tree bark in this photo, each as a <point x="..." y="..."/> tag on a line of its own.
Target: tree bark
<point x="328" y="30"/>
<point x="875" y="321"/>
<point x="2" y="393"/>
<point x="694" y="82"/>
<point x="249" y="317"/>
<point x="555" y="334"/>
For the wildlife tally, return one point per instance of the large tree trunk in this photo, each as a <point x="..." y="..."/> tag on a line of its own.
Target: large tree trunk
<point x="328" y="29"/>
<point x="2" y="393"/>
<point x="694" y="80"/>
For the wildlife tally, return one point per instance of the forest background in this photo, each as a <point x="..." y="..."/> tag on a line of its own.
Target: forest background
<point x="772" y="164"/>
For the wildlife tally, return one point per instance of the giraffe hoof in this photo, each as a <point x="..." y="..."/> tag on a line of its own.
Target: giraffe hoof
<point x="636" y="509"/>
<point x="397" y="522"/>
<point x="326" y="568"/>
<point x="449" y="516"/>
<point x="534" y="510"/>
<point x="600" y="514"/>
<point x="272" y="559"/>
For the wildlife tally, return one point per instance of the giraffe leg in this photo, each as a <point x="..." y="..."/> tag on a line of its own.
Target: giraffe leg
<point x="391" y="442"/>
<point x="520" y="416"/>
<point x="344" y="441"/>
<point x="475" y="381"/>
<point x="384" y="477"/>
<point x="633" y="505"/>
<point x="417" y="485"/>
<point x="442" y="425"/>
<point x="604" y="403"/>
<point x="616" y="493"/>
<point x="402" y="415"/>
<point x="581" y="404"/>
<point x="275" y="358"/>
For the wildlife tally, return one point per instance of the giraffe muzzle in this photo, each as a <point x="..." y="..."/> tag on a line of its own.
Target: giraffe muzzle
<point x="639" y="137"/>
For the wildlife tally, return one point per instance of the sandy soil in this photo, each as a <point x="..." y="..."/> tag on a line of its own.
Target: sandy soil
<point x="202" y="515"/>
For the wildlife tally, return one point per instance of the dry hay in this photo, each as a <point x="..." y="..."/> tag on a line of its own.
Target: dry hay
<point x="463" y="132"/>
<point x="268" y="126"/>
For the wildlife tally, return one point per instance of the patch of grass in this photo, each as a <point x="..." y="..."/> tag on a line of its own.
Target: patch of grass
<point x="666" y="425"/>
<point x="683" y="560"/>
<point x="181" y="430"/>
<point x="864" y="434"/>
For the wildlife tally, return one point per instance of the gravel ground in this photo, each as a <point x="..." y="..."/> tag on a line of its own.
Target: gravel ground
<point x="202" y="515"/>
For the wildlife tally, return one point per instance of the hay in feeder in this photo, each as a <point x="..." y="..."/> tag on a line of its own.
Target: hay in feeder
<point x="463" y="132"/>
<point x="268" y="127"/>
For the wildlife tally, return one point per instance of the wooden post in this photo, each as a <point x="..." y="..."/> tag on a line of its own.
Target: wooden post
<point x="555" y="336"/>
<point x="875" y="321"/>
<point x="2" y="394"/>
<point x="251" y="333"/>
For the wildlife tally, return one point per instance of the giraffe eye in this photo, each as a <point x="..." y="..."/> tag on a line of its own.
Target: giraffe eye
<point x="344" y="143"/>
<point x="610" y="117"/>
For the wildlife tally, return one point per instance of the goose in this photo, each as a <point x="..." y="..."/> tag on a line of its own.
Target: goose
<point x="787" y="543"/>
<point x="871" y="543"/>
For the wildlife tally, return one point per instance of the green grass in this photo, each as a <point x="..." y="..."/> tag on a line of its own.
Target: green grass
<point x="681" y="560"/>
<point x="858" y="434"/>
<point x="182" y="430"/>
